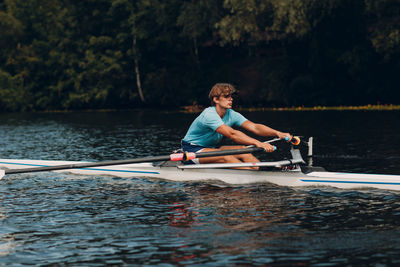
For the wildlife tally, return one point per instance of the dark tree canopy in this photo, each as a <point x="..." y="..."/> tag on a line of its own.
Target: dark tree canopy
<point x="95" y="54"/>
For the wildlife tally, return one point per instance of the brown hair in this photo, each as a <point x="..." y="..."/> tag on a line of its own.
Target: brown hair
<point x="220" y="89"/>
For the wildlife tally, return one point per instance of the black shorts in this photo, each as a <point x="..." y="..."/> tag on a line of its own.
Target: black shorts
<point x="190" y="147"/>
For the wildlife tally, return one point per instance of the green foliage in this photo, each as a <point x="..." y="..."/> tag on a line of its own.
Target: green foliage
<point x="10" y="29"/>
<point x="384" y="26"/>
<point x="245" y="21"/>
<point x="12" y="96"/>
<point x="88" y="54"/>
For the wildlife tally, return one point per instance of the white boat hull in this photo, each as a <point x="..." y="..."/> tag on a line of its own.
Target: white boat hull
<point x="293" y="178"/>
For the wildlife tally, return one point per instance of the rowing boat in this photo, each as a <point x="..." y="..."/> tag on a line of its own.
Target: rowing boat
<point x="290" y="172"/>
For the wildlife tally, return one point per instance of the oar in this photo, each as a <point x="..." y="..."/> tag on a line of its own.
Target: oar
<point x="172" y="157"/>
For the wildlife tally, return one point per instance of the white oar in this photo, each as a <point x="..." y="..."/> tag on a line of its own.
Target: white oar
<point x="172" y="157"/>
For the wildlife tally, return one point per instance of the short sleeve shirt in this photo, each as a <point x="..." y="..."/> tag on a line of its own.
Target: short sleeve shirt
<point x="202" y="132"/>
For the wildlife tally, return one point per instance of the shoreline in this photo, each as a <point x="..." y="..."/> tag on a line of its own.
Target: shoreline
<point x="198" y="109"/>
<point x="377" y="107"/>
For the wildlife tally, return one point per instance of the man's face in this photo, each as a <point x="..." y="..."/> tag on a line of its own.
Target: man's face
<point x="225" y="101"/>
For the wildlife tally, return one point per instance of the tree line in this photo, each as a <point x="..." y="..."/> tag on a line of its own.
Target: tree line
<point x="98" y="54"/>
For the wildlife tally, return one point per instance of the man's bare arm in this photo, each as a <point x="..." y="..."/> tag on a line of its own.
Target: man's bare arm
<point x="263" y="130"/>
<point x="241" y="138"/>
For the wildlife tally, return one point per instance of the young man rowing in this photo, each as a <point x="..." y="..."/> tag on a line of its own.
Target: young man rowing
<point x="217" y="121"/>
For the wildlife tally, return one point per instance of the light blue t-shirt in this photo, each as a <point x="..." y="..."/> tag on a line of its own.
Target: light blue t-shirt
<point x="202" y="131"/>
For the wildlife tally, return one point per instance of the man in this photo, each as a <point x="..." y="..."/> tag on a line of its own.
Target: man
<point x="217" y="121"/>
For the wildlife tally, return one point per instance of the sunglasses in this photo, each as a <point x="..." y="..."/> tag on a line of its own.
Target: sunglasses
<point x="226" y="95"/>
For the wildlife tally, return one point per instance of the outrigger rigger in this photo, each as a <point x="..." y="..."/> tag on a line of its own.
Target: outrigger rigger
<point x="291" y="172"/>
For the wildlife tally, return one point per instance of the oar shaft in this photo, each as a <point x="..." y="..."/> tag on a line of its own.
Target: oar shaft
<point x="176" y="157"/>
<point x="172" y="157"/>
<point x="87" y="165"/>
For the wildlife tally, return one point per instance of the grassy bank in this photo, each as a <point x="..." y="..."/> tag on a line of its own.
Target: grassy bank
<point x="322" y="108"/>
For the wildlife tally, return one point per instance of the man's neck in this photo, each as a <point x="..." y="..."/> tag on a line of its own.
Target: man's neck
<point x="220" y="110"/>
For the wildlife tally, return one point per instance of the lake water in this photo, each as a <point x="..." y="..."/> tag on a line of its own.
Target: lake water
<point x="63" y="219"/>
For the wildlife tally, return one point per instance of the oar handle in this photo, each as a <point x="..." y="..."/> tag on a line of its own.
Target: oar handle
<point x="249" y="149"/>
<point x="295" y="140"/>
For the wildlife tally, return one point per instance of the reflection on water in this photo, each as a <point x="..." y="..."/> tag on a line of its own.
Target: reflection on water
<point x="63" y="219"/>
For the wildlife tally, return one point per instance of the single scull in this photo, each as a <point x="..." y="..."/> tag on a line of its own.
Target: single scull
<point x="284" y="173"/>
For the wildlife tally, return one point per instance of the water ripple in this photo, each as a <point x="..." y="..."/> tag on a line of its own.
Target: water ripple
<point x="56" y="219"/>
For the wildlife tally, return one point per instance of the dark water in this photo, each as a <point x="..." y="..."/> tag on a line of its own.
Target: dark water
<point x="61" y="219"/>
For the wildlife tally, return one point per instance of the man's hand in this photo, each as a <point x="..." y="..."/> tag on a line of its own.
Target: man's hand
<point x="266" y="146"/>
<point x="284" y="135"/>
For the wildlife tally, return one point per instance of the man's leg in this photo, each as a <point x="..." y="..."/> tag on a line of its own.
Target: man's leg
<point x="229" y="158"/>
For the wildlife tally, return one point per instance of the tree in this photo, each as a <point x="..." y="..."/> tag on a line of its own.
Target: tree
<point x="197" y="20"/>
<point x="384" y="26"/>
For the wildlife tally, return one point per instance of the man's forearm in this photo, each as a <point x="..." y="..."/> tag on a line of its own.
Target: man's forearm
<point x="242" y="138"/>
<point x="263" y="130"/>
